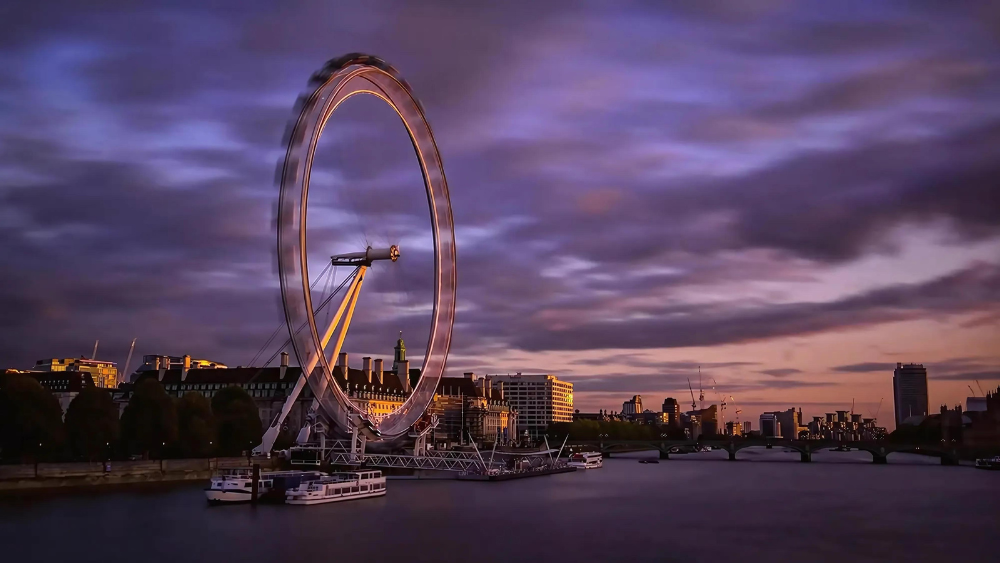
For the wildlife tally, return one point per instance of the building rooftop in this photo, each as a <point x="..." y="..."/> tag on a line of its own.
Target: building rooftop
<point x="244" y="375"/>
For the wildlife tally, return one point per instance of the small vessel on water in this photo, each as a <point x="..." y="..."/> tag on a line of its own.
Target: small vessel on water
<point x="236" y="485"/>
<point x="841" y="448"/>
<point x="337" y="487"/>
<point x="586" y="460"/>
<point x="989" y="463"/>
<point x="649" y="461"/>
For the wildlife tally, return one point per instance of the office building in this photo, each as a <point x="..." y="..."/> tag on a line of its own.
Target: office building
<point x="708" y="419"/>
<point x="769" y="425"/>
<point x="832" y="427"/>
<point x="747" y="427"/>
<point x="976" y="404"/>
<point x="539" y="400"/>
<point x="734" y="428"/>
<point x="673" y="411"/>
<point x="104" y="374"/>
<point x="790" y="423"/>
<point x="633" y="406"/>
<point x="909" y="388"/>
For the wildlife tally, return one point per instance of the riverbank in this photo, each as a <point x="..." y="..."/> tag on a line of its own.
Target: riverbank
<point x="43" y="476"/>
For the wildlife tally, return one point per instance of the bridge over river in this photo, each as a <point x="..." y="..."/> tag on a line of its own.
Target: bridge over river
<point x="879" y="450"/>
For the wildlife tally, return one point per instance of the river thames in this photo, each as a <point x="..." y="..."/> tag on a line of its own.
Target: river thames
<point x="698" y="507"/>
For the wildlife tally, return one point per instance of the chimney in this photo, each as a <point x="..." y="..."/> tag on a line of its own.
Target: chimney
<point x="403" y="373"/>
<point x="342" y="362"/>
<point x="284" y="365"/>
<point x="366" y="366"/>
<point x="185" y="367"/>
<point x="162" y="367"/>
<point x="378" y="371"/>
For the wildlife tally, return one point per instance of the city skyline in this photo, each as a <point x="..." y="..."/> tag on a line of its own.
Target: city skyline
<point x="793" y="198"/>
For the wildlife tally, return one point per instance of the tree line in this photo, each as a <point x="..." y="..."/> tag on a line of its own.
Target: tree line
<point x="153" y="425"/>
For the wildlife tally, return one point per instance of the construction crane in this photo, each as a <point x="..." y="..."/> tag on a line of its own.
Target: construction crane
<point x="738" y="410"/>
<point x="875" y="416"/>
<point x="694" y="405"/>
<point x="124" y="372"/>
<point x="701" y="390"/>
<point x="972" y="390"/>
<point x="983" y="393"/>
<point x="722" y="403"/>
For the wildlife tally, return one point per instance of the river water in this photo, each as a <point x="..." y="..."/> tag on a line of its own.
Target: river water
<point x="699" y="507"/>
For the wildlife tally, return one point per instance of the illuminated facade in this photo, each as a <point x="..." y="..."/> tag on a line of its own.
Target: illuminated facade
<point x="539" y="400"/>
<point x="104" y="374"/>
<point x="633" y="406"/>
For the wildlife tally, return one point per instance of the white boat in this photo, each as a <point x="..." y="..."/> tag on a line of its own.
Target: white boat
<point x="338" y="487"/>
<point x="988" y="463"/>
<point x="236" y="485"/>
<point x="586" y="460"/>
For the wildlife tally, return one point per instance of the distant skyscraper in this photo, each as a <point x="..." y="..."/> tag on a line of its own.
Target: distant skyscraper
<point x="672" y="410"/>
<point x="909" y="389"/>
<point x="789" y="423"/>
<point x="769" y="426"/>
<point x="746" y="427"/>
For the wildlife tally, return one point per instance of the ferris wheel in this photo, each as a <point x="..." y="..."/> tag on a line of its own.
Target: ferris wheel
<point x="317" y="344"/>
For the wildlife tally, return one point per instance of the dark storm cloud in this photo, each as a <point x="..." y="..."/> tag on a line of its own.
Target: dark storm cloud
<point x="136" y="163"/>
<point x="638" y="362"/>
<point x="964" y="369"/>
<point x="866" y="367"/>
<point x="893" y="83"/>
<point x="953" y="369"/>
<point x="781" y="372"/>
<point x="677" y="383"/>
<point x="705" y="325"/>
<point x="970" y="376"/>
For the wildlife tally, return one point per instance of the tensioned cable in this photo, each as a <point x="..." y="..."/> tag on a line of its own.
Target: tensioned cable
<point x="282" y="325"/>
<point x="304" y="325"/>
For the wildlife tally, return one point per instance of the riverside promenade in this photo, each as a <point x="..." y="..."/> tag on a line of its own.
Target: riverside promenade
<point x="96" y="474"/>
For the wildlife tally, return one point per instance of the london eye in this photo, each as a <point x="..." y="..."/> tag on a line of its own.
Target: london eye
<point x="317" y="344"/>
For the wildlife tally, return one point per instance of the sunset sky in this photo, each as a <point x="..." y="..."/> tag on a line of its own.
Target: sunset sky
<point x="793" y="195"/>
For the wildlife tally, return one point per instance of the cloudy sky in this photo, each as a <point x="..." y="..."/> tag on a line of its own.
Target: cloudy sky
<point x="793" y="195"/>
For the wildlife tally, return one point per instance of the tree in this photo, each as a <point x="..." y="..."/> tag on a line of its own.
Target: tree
<point x="92" y="424"/>
<point x="31" y="425"/>
<point x="237" y="421"/>
<point x="195" y="425"/>
<point x="149" y="423"/>
<point x="286" y="439"/>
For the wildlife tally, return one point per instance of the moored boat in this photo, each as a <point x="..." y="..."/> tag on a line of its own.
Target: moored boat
<point x="338" y="487"/>
<point x="236" y="485"/>
<point x="586" y="460"/>
<point x="989" y="463"/>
